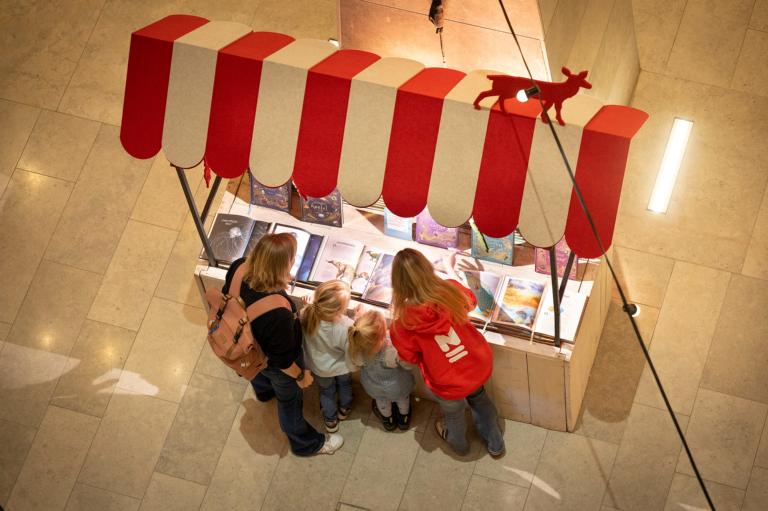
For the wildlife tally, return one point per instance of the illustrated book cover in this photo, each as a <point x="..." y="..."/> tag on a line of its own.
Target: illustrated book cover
<point x="498" y="250"/>
<point x="519" y="301"/>
<point x="571" y="308"/>
<point x="485" y="286"/>
<point x="398" y="226"/>
<point x="326" y="210"/>
<point x="337" y="260"/>
<point x="274" y="198"/>
<point x="541" y="256"/>
<point x="232" y="236"/>
<point x="302" y="240"/>
<point x="379" y="288"/>
<point x="430" y="232"/>
<point x="310" y="255"/>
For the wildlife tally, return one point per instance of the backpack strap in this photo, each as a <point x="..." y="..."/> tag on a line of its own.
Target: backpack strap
<point x="266" y="304"/>
<point x="237" y="280"/>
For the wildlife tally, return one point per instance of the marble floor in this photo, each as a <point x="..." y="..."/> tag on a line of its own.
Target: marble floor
<point x="108" y="400"/>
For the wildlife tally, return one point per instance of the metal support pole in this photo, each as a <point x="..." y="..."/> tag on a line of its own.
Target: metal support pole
<point x="196" y="216"/>
<point x="566" y="274"/>
<point x="555" y="294"/>
<point x="209" y="200"/>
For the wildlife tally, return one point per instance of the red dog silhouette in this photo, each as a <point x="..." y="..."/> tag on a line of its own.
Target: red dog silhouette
<point x="505" y="87"/>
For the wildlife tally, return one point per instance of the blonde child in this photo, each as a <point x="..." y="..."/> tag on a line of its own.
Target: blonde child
<point x="384" y="377"/>
<point x="325" y="325"/>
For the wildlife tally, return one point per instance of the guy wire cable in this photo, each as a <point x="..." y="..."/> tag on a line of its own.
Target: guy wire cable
<point x="625" y="303"/>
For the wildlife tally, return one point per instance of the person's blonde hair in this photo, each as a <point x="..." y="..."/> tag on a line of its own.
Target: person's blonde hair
<point x="366" y="336"/>
<point x="414" y="283"/>
<point x="269" y="263"/>
<point x="330" y="299"/>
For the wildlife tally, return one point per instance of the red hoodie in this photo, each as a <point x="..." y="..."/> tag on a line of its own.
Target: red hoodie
<point x="455" y="360"/>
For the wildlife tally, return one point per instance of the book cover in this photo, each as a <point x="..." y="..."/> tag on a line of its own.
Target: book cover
<point x="430" y="232"/>
<point x="274" y="198"/>
<point x="324" y="210"/>
<point x="229" y="236"/>
<point x="541" y="257"/>
<point x="485" y="286"/>
<point x="499" y="250"/>
<point x="337" y="261"/>
<point x="571" y="308"/>
<point x="364" y="269"/>
<point x="259" y="230"/>
<point x="519" y="301"/>
<point x="379" y="288"/>
<point x="398" y="226"/>
<point x="302" y="240"/>
<point x="310" y="255"/>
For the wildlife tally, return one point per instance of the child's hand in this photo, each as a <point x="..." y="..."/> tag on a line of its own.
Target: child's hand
<point x="306" y="381"/>
<point x="307" y="299"/>
<point x="359" y="310"/>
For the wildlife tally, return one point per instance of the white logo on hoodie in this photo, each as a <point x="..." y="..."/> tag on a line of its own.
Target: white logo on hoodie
<point x="451" y="345"/>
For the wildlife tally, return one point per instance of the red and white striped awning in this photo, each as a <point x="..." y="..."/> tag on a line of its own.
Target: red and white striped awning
<point x="371" y="126"/>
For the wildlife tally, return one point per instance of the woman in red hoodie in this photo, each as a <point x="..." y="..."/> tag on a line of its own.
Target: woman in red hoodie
<point x="431" y="328"/>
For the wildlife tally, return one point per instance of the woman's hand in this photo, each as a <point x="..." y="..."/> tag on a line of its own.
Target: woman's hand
<point x="306" y="381"/>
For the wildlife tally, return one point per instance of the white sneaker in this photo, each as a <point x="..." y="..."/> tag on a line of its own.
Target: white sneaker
<point x="332" y="444"/>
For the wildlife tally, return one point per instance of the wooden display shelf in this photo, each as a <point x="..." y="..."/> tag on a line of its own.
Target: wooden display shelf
<point x="531" y="382"/>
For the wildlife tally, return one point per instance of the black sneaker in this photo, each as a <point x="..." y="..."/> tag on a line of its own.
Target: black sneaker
<point x="403" y="419"/>
<point x="388" y="422"/>
<point x="265" y="396"/>
<point x="343" y="413"/>
<point x="331" y="426"/>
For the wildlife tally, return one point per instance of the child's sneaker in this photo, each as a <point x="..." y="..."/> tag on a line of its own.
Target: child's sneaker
<point x="403" y="419"/>
<point x="343" y="413"/>
<point x="331" y="426"/>
<point x="332" y="444"/>
<point x="388" y="422"/>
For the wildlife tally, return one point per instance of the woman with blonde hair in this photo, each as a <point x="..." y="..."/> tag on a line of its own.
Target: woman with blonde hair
<point x="278" y="332"/>
<point x="325" y="323"/>
<point x="431" y="328"/>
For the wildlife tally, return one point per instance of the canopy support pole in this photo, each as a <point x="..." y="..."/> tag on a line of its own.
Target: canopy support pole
<point x="209" y="200"/>
<point x="567" y="274"/>
<point x="555" y="294"/>
<point x="195" y="215"/>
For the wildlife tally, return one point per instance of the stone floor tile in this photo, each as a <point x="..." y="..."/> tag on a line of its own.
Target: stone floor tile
<point x="161" y="201"/>
<point x="248" y="460"/>
<point x="688" y="319"/>
<point x="644" y="276"/>
<point x="210" y="365"/>
<point x="381" y="469"/>
<point x="656" y="24"/>
<point x="572" y="474"/>
<point x="154" y="369"/>
<point x="737" y="357"/>
<point x="166" y="493"/>
<point x="322" y="480"/>
<point x="54" y="460"/>
<point x="759" y="20"/>
<point x="484" y="494"/>
<point x="761" y="460"/>
<point x="18" y="121"/>
<point x="614" y="377"/>
<point x="646" y="460"/>
<point x="88" y="498"/>
<point x="435" y="465"/>
<point x="351" y="429"/>
<point x="708" y="41"/>
<point x="29" y="210"/>
<point x="132" y="275"/>
<point x="723" y="434"/>
<point x="16" y="440"/>
<point x="41" y="50"/>
<point x="5" y="329"/>
<point x="93" y="368"/>
<point x="524" y="444"/>
<point x="757" y="252"/>
<point x="756" y="498"/>
<point x="27" y="379"/>
<point x="101" y="203"/>
<point x="55" y="307"/>
<point x="200" y="430"/>
<point x="686" y="495"/>
<point x="291" y="19"/>
<point x="59" y="145"/>
<point x="750" y="74"/>
<point x="126" y="447"/>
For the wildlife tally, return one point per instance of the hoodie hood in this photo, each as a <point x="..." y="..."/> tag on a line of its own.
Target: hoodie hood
<point x="426" y="319"/>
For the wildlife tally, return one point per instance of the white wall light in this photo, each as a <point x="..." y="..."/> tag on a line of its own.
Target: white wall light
<point x="334" y="42"/>
<point x="670" y="165"/>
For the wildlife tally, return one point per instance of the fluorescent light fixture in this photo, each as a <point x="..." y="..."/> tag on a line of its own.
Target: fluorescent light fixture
<point x="334" y="42"/>
<point x="670" y="165"/>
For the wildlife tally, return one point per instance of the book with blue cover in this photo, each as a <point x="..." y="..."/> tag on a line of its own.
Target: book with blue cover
<point x="274" y="198"/>
<point x="326" y="210"/>
<point x="398" y="226"/>
<point x="498" y="250"/>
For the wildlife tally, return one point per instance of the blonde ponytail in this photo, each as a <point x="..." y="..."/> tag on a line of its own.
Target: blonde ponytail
<point x="330" y="299"/>
<point x="366" y="336"/>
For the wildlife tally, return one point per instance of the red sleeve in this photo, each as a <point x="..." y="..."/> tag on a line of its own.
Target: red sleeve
<point x="404" y="346"/>
<point x="467" y="291"/>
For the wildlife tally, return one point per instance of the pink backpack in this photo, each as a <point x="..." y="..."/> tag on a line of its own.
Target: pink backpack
<point x="229" y="326"/>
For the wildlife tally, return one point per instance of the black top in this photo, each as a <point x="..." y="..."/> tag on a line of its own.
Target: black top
<point x="276" y="331"/>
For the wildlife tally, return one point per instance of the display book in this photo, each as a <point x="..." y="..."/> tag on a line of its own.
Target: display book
<point x="523" y="307"/>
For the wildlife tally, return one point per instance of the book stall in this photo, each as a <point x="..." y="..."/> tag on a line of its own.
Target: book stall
<point x="360" y="156"/>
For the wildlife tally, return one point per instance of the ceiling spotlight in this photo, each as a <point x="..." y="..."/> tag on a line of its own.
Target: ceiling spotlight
<point x="523" y="94"/>
<point x="633" y="309"/>
<point x="334" y="42"/>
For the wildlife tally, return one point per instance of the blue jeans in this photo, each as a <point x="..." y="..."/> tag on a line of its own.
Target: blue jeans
<point x="484" y="415"/>
<point x="328" y="385"/>
<point x="304" y="439"/>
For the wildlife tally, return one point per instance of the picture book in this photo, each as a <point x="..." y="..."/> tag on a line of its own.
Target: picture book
<point x="497" y="250"/>
<point x="571" y="307"/>
<point x="364" y="269"/>
<point x="430" y="232"/>
<point x="519" y="301"/>
<point x="302" y="240"/>
<point x="310" y="255"/>
<point x="485" y="286"/>
<point x="274" y="198"/>
<point x="337" y="260"/>
<point x="324" y="210"/>
<point x="541" y="257"/>
<point x="232" y="236"/>
<point x="397" y="226"/>
<point x="379" y="288"/>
